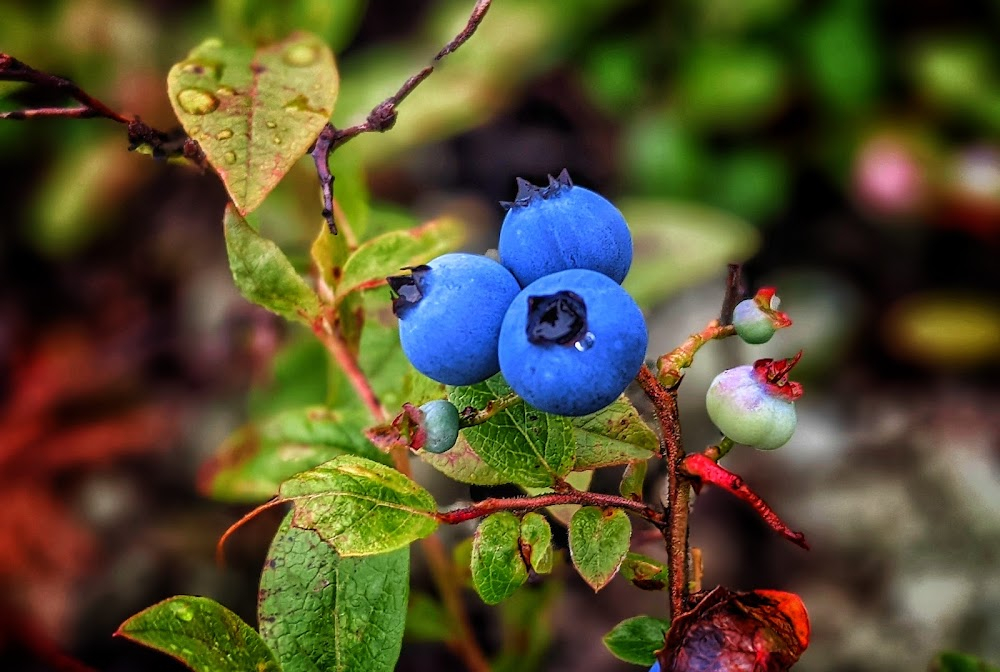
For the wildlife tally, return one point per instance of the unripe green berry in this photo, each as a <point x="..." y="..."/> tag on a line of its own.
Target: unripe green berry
<point x="754" y="405"/>
<point x="440" y="424"/>
<point x="756" y="319"/>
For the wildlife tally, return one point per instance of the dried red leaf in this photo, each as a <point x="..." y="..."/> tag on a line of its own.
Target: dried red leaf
<point x="727" y="631"/>
<point x="706" y="470"/>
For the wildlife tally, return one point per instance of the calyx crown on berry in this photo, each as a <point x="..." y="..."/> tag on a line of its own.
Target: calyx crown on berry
<point x="559" y="318"/>
<point x="768" y="303"/>
<point x="407" y="290"/>
<point x="527" y="192"/>
<point x="773" y="374"/>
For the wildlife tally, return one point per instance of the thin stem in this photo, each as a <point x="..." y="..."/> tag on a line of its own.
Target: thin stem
<point x="678" y="487"/>
<point x="734" y="290"/>
<point x="383" y="116"/>
<point x="349" y="365"/>
<point x="716" y="453"/>
<point x="13" y="70"/>
<point x="669" y="366"/>
<point x="442" y="571"/>
<point x="471" y="416"/>
<point x="581" y="497"/>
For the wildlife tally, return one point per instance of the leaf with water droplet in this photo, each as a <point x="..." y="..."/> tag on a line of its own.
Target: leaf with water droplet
<point x="254" y="112"/>
<point x="202" y="634"/>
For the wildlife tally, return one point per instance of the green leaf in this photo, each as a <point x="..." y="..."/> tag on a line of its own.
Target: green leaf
<point x="636" y="640"/>
<point x="360" y="507"/>
<point x="645" y="572"/>
<point x="386" y="254"/>
<point x="263" y="273"/>
<point x="254" y="460"/>
<point x="598" y="542"/>
<point x="952" y="661"/>
<point x="536" y="540"/>
<point x="633" y="479"/>
<point x="202" y="634"/>
<point x="254" y="113"/>
<point x="296" y="377"/>
<point x="497" y="566"/>
<point x="328" y="253"/>
<point x="526" y="446"/>
<point x="427" y="620"/>
<point x="319" y="611"/>
<point x="462" y="464"/>
<point x="614" y="435"/>
<point x="679" y="244"/>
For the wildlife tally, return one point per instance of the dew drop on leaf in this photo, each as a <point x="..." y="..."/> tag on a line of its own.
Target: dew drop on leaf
<point x="182" y="611"/>
<point x="197" y="101"/>
<point x="224" y="134"/>
<point x="301" y="55"/>
<point x="276" y="139"/>
<point x="225" y="91"/>
<point x="230" y="157"/>
<point x="271" y="124"/>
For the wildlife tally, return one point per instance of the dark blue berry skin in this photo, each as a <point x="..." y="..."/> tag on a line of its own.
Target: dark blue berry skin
<point x="563" y="226"/>
<point x="450" y="315"/>
<point x="572" y="368"/>
<point x="441" y="425"/>
<point x="655" y="667"/>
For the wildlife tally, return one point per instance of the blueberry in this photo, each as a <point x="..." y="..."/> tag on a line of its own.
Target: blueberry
<point x="755" y="405"/>
<point x="571" y="342"/>
<point x="440" y="424"/>
<point x="450" y="312"/>
<point x="655" y="667"/>
<point x="562" y="226"/>
<point x="758" y="318"/>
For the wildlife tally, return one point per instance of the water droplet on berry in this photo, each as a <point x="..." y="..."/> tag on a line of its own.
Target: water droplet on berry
<point x="585" y="343"/>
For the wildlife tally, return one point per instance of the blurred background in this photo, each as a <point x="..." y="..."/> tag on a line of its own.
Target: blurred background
<point x="848" y="151"/>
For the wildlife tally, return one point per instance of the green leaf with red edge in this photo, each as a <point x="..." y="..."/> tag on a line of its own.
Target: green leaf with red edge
<point x="254" y="112"/>
<point x="613" y="435"/>
<point x="633" y="479"/>
<point x="202" y="634"/>
<point x="536" y="542"/>
<point x="385" y="255"/>
<point x="524" y="445"/>
<point x="360" y="507"/>
<point x="636" y="640"/>
<point x="598" y="542"/>
<point x="645" y="572"/>
<point x="951" y="661"/>
<point x="255" y="459"/>
<point x="263" y="273"/>
<point x="320" y="611"/>
<point x="498" y="568"/>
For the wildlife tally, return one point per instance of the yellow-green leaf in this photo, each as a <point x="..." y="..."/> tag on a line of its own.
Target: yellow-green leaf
<point x="254" y="112"/>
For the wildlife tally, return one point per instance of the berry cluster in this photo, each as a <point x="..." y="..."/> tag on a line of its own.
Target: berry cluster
<point x="551" y="315"/>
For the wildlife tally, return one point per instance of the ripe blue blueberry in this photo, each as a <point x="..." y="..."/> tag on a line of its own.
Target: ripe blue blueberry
<point x="440" y="424"/>
<point x="758" y="318"/>
<point x="562" y="226"/>
<point x="655" y="667"/>
<point x="450" y="312"/>
<point x="571" y="342"/>
<point x="755" y="405"/>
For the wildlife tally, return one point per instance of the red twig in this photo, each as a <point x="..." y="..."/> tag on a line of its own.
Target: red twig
<point x="383" y="116"/>
<point x="705" y="470"/>
<point x="492" y="505"/>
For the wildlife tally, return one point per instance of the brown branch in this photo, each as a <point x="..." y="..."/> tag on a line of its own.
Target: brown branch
<point x="734" y="292"/>
<point x="471" y="416"/>
<point x="583" y="498"/>
<point x="13" y="70"/>
<point x="678" y="487"/>
<point x="669" y="366"/>
<point x="383" y="116"/>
